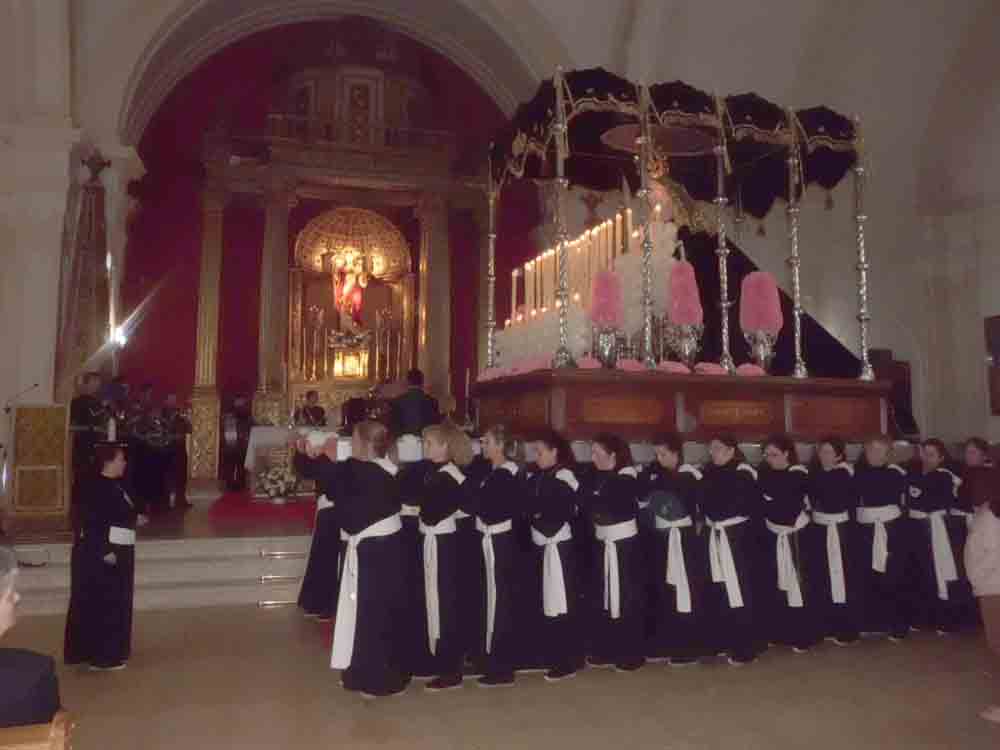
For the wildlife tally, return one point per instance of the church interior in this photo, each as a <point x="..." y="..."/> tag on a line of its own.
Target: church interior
<point x="647" y="216"/>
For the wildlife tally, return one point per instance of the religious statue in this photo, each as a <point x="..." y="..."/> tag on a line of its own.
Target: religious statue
<point x="350" y="278"/>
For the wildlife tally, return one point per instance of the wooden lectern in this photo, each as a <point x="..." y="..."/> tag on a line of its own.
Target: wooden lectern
<point x="38" y="470"/>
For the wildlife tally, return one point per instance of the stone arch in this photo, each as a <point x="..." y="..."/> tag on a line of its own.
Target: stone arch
<point x="476" y="40"/>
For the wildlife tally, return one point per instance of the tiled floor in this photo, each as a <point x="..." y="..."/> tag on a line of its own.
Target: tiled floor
<point x="248" y="678"/>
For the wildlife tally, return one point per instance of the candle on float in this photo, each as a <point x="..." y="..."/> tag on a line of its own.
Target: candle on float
<point x="628" y="230"/>
<point x="513" y="292"/>
<point x="617" y="248"/>
<point x="555" y="276"/>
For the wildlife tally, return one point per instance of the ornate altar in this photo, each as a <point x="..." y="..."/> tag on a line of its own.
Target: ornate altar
<point x="351" y="307"/>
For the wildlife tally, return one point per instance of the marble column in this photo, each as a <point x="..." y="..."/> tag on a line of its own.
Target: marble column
<point x="205" y="405"/>
<point x="434" y="313"/>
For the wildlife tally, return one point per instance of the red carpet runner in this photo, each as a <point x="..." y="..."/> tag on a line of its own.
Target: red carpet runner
<point x="241" y="507"/>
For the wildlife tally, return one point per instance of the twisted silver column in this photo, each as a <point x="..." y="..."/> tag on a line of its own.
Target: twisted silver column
<point x="491" y="280"/>
<point x="563" y="358"/>
<point x="647" y="238"/>
<point x="867" y="372"/>
<point x="794" y="261"/>
<point x="726" y="360"/>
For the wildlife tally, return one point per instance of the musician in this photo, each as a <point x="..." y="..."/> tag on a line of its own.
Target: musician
<point x="150" y="448"/>
<point x="178" y="427"/>
<point x="88" y="420"/>
<point x="29" y="690"/>
<point x="415" y="409"/>
<point x="312" y="414"/>
<point x="237" y="438"/>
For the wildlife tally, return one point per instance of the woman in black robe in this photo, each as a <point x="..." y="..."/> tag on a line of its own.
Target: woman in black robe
<point x="496" y="500"/>
<point x="617" y="591"/>
<point x="933" y="570"/>
<point x="966" y="612"/>
<point x="881" y="490"/>
<point x="470" y="578"/>
<point x="99" y="621"/>
<point x="832" y="545"/>
<point x="445" y="446"/>
<point x="369" y="602"/>
<point x="318" y="595"/>
<point x="553" y="612"/>
<point x="679" y="568"/>
<point x="415" y="653"/>
<point x="787" y="581"/>
<point x="730" y="500"/>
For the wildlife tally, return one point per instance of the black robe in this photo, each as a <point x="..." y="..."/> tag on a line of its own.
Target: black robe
<point x="366" y="493"/>
<point x="884" y="597"/>
<point x="470" y="581"/>
<point x="415" y="656"/>
<point x="318" y="595"/>
<point x="29" y="690"/>
<point x="785" y="500"/>
<point x="727" y="492"/>
<point x="929" y="493"/>
<point x="833" y="492"/>
<point x="966" y="612"/>
<point x="551" y="503"/>
<point x="672" y="496"/>
<point x="99" y="621"/>
<point x="609" y="498"/>
<point x="441" y="498"/>
<point x="497" y="499"/>
<point x="88" y="422"/>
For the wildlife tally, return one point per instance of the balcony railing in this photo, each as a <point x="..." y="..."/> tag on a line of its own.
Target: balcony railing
<point x="323" y="131"/>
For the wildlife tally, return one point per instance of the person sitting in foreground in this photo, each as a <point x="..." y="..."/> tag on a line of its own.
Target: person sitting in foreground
<point x="29" y="691"/>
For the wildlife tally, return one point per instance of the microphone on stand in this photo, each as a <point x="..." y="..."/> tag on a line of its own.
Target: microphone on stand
<point x="17" y="396"/>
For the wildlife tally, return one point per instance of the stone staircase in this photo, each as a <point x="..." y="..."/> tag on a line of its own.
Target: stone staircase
<point x="178" y="573"/>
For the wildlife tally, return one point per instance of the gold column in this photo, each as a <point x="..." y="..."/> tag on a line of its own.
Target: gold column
<point x="408" y="301"/>
<point x="295" y="323"/>
<point x="270" y="404"/>
<point x="205" y="405"/>
<point x="434" y="316"/>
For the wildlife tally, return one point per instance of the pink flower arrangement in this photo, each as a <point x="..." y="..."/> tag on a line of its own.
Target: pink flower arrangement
<point x="588" y="363"/>
<point x="606" y="300"/>
<point x="710" y="368"/>
<point x="674" y="368"/>
<point x="750" y="371"/>
<point x="685" y="302"/>
<point x="630" y="365"/>
<point x="760" y="307"/>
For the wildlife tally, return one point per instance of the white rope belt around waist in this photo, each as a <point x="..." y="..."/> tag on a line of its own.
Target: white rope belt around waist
<point x="121" y="536"/>
<point x="490" y="561"/>
<point x="958" y="513"/>
<point x="610" y="536"/>
<point x="720" y="556"/>
<point x="554" y="602"/>
<point x="878" y="517"/>
<point x="409" y="511"/>
<point x="676" y="568"/>
<point x="788" y="575"/>
<point x="945" y="569"/>
<point x="834" y="552"/>
<point x="347" y="599"/>
<point x="431" y="533"/>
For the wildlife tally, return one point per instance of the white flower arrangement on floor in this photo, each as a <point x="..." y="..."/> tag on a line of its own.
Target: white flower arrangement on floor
<point x="278" y="481"/>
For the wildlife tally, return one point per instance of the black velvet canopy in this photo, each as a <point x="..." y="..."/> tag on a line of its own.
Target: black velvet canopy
<point x="756" y="134"/>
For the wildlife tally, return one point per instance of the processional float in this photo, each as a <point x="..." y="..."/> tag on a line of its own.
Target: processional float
<point x="662" y="142"/>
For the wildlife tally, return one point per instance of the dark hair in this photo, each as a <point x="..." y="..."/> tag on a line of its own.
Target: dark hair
<point x="784" y="444"/>
<point x="617" y="446"/>
<point x="938" y="445"/>
<point x="106" y="453"/>
<point x="837" y="443"/>
<point x="415" y="377"/>
<point x="983" y="482"/>
<point x="729" y="440"/>
<point x="310" y="394"/>
<point x="555" y="441"/>
<point x="671" y="441"/>
<point x="502" y="434"/>
<point x="980" y="443"/>
<point x="375" y="435"/>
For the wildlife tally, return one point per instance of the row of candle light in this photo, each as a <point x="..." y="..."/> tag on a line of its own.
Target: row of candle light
<point x="593" y="251"/>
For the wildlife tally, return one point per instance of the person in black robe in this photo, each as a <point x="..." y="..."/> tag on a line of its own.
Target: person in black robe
<point x="610" y="499"/>
<point x="679" y="566"/>
<point x="831" y="544"/>
<point x="470" y="576"/>
<point x="966" y="610"/>
<point x="99" y="621"/>
<point x="496" y="499"/>
<point x="369" y="601"/>
<point x="731" y="502"/>
<point x="555" y="614"/>
<point x="414" y="410"/>
<point x="933" y="569"/>
<point x="413" y="643"/>
<point x="311" y="414"/>
<point x="445" y="446"/>
<point x="178" y="427"/>
<point x="318" y="594"/>
<point x="29" y="689"/>
<point x="881" y="491"/>
<point x="787" y="574"/>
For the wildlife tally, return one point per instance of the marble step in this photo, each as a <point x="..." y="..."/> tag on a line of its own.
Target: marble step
<point x="178" y="573"/>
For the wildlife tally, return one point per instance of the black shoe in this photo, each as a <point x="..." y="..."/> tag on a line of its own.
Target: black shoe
<point x="503" y="679"/>
<point x="898" y="636"/>
<point x="682" y="661"/>
<point x="387" y="692"/>
<point x="629" y="666"/>
<point x="594" y="663"/>
<point x="558" y="674"/>
<point x="739" y="660"/>
<point x="843" y="640"/>
<point x="439" y="684"/>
